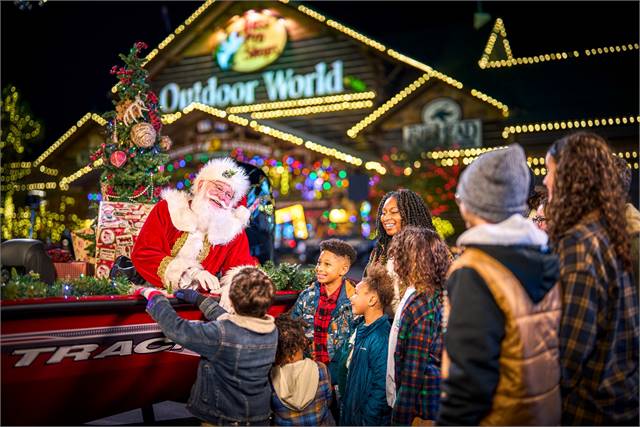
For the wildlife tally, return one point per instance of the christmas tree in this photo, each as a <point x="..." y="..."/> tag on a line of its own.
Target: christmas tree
<point x="133" y="154"/>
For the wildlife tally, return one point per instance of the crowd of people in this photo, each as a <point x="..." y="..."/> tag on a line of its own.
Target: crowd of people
<point x="535" y="322"/>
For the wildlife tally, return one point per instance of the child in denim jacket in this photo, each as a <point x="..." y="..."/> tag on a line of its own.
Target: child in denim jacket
<point x="325" y="306"/>
<point x="238" y="350"/>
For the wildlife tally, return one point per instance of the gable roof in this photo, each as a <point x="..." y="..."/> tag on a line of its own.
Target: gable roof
<point x="206" y="13"/>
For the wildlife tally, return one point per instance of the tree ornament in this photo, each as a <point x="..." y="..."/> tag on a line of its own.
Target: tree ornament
<point x="133" y="111"/>
<point x="121" y="109"/>
<point x="143" y="135"/>
<point x="118" y="158"/>
<point x="166" y="143"/>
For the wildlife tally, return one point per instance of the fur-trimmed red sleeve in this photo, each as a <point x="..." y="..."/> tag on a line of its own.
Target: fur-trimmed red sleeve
<point x="152" y="246"/>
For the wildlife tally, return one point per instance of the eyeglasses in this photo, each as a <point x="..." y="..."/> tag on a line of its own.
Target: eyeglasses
<point x="539" y="219"/>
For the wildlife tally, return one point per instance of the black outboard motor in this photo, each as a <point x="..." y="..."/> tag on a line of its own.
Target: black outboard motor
<point x="123" y="266"/>
<point x="28" y="255"/>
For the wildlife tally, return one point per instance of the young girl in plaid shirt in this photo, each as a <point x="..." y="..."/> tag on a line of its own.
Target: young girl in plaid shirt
<point x="418" y="324"/>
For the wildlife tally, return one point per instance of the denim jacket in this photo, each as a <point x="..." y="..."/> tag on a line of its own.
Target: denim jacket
<point x="232" y="386"/>
<point x="341" y="318"/>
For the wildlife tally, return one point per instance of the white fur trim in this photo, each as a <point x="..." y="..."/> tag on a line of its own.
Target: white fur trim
<point x="225" y="283"/>
<point x="186" y="258"/>
<point x="231" y="273"/>
<point x="182" y="217"/>
<point x="215" y="169"/>
<point x="225" y="301"/>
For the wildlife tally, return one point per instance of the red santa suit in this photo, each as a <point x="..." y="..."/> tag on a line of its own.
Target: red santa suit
<point x="170" y="241"/>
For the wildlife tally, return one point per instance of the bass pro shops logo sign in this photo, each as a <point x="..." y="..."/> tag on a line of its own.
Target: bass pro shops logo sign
<point x="251" y="41"/>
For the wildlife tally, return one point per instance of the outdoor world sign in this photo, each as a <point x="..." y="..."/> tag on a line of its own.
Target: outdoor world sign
<point x="248" y="43"/>
<point x="280" y="85"/>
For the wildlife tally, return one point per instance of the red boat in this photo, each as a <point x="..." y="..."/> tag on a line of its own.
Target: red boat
<point x="73" y="360"/>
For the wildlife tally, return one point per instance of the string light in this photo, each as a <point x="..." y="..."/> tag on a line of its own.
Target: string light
<point x="267" y="130"/>
<point x="48" y="171"/>
<point x="311" y="13"/>
<point x="498" y="29"/>
<point x="300" y="102"/>
<point x="89" y="116"/>
<point x="64" y="182"/>
<point x="569" y="124"/>
<point x="356" y="35"/>
<point x="164" y="43"/>
<point x="492" y="101"/>
<point x="380" y="111"/>
<point x="315" y="109"/>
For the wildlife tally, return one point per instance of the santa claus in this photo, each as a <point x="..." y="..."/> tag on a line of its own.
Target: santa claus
<point x="189" y="238"/>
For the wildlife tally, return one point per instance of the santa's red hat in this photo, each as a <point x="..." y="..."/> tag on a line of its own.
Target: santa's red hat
<point x="227" y="171"/>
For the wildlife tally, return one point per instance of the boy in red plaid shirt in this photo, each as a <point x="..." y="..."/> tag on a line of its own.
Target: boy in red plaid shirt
<point x="325" y="306"/>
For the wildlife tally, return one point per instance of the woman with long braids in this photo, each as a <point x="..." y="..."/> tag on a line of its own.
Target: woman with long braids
<point x="398" y="209"/>
<point x="599" y="325"/>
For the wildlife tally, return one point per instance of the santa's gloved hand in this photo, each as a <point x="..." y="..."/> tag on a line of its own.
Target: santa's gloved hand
<point x="189" y="295"/>
<point x="207" y="280"/>
<point x="147" y="292"/>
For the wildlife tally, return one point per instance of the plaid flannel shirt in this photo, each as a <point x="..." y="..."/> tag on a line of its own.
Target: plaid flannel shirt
<point x="418" y="356"/>
<point x="326" y="305"/>
<point x="599" y="329"/>
<point x="317" y="413"/>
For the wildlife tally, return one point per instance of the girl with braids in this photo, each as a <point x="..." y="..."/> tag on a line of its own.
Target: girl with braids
<point x="415" y="341"/>
<point x="599" y="325"/>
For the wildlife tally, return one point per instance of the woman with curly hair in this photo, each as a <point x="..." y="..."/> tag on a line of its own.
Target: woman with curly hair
<point x="415" y="341"/>
<point x="599" y="326"/>
<point x="302" y="391"/>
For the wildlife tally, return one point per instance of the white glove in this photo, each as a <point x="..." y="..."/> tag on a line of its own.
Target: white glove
<point x="206" y="280"/>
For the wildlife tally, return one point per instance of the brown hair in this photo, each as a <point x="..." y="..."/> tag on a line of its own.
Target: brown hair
<point x="291" y="337"/>
<point x="420" y="258"/>
<point x="340" y="248"/>
<point x="587" y="180"/>
<point x="379" y="281"/>
<point x="251" y="292"/>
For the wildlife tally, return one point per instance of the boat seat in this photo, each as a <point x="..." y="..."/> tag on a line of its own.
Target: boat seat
<point x="27" y="255"/>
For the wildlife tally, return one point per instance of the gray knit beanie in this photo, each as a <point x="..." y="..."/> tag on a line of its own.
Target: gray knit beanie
<point x="495" y="186"/>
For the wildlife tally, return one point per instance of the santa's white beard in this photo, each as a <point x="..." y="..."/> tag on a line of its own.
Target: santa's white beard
<point x="220" y="225"/>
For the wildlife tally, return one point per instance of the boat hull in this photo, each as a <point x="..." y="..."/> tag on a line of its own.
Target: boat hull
<point x="73" y="361"/>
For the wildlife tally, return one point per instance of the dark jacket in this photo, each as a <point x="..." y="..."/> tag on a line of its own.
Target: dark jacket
<point x="232" y="385"/>
<point x="476" y="328"/>
<point x="364" y="401"/>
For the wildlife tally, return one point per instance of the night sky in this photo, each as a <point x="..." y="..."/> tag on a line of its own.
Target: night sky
<point x="59" y="54"/>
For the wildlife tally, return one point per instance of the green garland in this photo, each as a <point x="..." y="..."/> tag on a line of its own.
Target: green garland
<point x="289" y="277"/>
<point x="30" y="286"/>
<point x="286" y="277"/>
